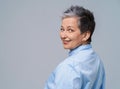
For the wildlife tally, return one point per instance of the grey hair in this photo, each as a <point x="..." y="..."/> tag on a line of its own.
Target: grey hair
<point x="72" y="11"/>
<point x="85" y="18"/>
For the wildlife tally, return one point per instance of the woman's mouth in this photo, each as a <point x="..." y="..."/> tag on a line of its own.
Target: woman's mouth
<point x="65" y="42"/>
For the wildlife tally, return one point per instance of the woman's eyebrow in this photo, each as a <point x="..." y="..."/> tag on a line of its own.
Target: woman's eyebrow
<point x="70" y="27"/>
<point x="61" y="26"/>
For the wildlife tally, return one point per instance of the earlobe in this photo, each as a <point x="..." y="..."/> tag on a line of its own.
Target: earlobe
<point x="86" y="36"/>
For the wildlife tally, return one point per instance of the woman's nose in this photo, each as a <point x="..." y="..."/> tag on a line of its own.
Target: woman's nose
<point x="63" y="34"/>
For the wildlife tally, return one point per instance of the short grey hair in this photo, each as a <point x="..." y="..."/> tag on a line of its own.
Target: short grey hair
<point x="86" y="20"/>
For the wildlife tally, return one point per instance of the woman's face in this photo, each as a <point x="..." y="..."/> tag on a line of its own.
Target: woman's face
<point x="70" y="33"/>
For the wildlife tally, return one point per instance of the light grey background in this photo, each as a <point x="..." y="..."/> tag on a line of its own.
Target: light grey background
<point x="30" y="47"/>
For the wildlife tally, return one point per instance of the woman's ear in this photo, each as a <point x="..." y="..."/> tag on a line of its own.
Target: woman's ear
<point x="86" y="36"/>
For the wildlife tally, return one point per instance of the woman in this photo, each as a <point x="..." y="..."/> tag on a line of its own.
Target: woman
<point x="83" y="68"/>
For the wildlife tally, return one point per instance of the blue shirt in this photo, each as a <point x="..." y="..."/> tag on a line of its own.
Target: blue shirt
<point x="82" y="69"/>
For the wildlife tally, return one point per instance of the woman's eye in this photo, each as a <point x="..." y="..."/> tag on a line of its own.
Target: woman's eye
<point x="71" y="30"/>
<point x="61" y="29"/>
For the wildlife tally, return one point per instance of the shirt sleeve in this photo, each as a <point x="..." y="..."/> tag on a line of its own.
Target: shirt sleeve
<point x="50" y="82"/>
<point x="67" y="78"/>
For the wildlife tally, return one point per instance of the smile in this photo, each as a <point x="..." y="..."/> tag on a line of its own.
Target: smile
<point x="66" y="41"/>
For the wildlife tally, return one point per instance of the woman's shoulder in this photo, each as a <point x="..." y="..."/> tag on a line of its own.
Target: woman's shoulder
<point x="85" y="61"/>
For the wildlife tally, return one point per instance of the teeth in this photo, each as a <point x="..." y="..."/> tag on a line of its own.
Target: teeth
<point x="66" y="40"/>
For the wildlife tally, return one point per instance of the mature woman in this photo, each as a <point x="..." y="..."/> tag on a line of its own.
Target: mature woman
<point x="83" y="68"/>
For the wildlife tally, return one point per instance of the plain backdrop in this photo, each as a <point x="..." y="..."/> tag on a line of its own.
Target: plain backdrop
<point x="30" y="47"/>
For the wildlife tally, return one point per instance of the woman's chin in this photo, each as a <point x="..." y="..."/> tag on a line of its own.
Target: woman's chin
<point x="67" y="47"/>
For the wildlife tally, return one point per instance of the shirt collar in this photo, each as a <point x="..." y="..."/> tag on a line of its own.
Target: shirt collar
<point x="79" y="48"/>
